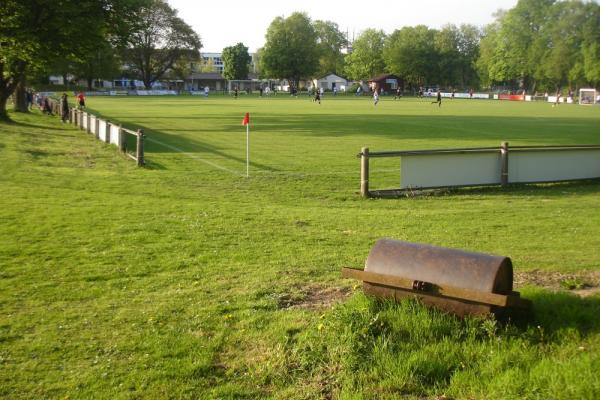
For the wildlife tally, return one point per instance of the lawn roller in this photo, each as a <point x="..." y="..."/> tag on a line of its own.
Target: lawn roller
<point x="456" y="281"/>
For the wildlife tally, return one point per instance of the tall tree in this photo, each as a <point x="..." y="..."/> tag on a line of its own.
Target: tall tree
<point x="330" y="41"/>
<point x="236" y="61"/>
<point x="160" y="38"/>
<point x="99" y="63"/>
<point x="290" y="50"/>
<point x="410" y="53"/>
<point x="34" y="34"/>
<point x="591" y="45"/>
<point x="366" y="59"/>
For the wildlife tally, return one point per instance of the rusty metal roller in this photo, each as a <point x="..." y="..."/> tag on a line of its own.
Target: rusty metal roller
<point x="457" y="281"/>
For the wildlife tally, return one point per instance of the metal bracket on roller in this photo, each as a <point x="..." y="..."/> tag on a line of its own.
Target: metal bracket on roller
<point x="422" y="286"/>
<point x="460" y="282"/>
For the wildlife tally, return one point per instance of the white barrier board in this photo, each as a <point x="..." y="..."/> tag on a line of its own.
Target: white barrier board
<point x="114" y="135"/>
<point x="553" y="165"/>
<point x="102" y="129"/>
<point x="442" y="170"/>
<point x="85" y="121"/>
<point x="471" y="169"/>
<point x="93" y="124"/>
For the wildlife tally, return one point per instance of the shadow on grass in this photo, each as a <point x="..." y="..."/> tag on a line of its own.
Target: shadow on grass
<point x="562" y="311"/>
<point x="412" y="131"/>
<point x="179" y="144"/>
<point x="39" y="128"/>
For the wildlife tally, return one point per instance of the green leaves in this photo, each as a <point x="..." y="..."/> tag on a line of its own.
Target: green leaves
<point x="236" y="62"/>
<point x="291" y="50"/>
<point x="366" y="59"/>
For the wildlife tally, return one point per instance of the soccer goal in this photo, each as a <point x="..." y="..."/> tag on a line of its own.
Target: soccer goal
<point x="588" y="96"/>
<point x="248" y="86"/>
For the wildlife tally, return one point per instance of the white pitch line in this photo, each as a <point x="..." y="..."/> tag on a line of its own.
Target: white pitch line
<point x="261" y="172"/>
<point x="195" y="157"/>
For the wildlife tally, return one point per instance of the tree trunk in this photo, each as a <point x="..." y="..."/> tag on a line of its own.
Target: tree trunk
<point x="89" y="84"/>
<point x="20" y="96"/>
<point x="3" y="113"/>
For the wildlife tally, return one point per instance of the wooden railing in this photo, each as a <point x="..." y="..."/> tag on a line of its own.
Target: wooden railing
<point x="105" y="130"/>
<point x="460" y="167"/>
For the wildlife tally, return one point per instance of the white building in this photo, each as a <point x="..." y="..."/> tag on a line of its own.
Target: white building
<point x="216" y="61"/>
<point x="331" y="82"/>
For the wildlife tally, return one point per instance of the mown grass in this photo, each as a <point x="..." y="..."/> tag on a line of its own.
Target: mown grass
<point x="175" y="281"/>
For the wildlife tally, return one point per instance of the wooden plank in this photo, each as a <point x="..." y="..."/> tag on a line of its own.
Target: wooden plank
<point x="440" y="290"/>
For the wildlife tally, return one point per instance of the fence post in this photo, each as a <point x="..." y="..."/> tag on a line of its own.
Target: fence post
<point x="504" y="164"/>
<point x="121" y="139"/>
<point x="97" y="128"/>
<point x="89" y="121"/>
<point x="81" y="120"/>
<point x="107" y="132"/>
<point x="139" y="154"/>
<point x="364" y="172"/>
<point x="76" y="117"/>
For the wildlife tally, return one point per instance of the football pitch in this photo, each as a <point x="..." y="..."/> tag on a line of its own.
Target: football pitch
<point x="295" y="136"/>
<point x="186" y="279"/>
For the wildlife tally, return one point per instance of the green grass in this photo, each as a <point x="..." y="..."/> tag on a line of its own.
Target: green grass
<point x="174" y="281"/>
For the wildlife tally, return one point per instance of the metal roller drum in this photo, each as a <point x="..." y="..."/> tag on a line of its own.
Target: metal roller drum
<point x="461" y="282"/>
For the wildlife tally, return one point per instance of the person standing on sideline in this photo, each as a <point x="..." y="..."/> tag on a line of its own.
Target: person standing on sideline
<point x="439" y="99"/>
<point x="206" y="90"/>
<point x="452" y="95"/>
<point x="64" y="107"/>
<point x="557" y="97"/>
<point x="375" y="97"/>
<point x="29" y="98"/>
<point x="81" y="100"/>
<point x="235" y="93"/>
<point x="46" y="106"/>
<point x="398" y="94"/>
<point x="317" y="96"/>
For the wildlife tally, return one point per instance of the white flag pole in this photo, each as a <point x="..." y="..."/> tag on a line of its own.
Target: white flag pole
<point x="248" y="150"/>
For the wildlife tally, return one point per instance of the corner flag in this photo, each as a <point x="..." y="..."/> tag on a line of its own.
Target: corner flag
<point x="246" y="123"/>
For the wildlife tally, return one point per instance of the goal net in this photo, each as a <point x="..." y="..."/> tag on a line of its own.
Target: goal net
<point x="588" y="96"/>
<point x="249" y="86"/>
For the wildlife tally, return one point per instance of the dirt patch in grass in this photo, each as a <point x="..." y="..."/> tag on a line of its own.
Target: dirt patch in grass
<point x="585" y="283"/>
<point x="313" y="297"/>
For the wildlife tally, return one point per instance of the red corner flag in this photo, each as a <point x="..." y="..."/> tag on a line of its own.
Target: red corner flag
<point x="246" y="119"/>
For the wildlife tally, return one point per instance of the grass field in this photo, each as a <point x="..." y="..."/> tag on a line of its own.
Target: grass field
<point x="186" y="279"/>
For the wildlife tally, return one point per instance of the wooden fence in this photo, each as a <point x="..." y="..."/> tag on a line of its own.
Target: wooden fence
<point x="427" y="169"/>
<point x="106" y="131"/>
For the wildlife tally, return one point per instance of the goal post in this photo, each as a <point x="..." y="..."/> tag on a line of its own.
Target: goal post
<point x="245" y="85"/>
<point x="588" y="96"/>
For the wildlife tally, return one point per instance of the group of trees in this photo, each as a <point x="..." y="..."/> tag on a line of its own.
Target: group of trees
<point x="542" y="45"/>
<point x="297" y="48"/>
<point x="89" y="39"/>
<point x="537" y="45"/>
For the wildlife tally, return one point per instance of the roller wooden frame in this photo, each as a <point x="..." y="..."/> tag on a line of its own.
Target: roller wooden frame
<point x="420" y="288"/>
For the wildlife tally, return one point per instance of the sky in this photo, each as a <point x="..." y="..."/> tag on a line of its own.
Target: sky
<point x="222" y="23"/>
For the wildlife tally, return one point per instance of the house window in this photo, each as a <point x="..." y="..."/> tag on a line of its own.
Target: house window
<point x="393" y="83"/>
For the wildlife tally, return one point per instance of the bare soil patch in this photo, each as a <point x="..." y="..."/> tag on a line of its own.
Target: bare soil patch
<point x="587" y="282"/>
<point x="313" y="297"/>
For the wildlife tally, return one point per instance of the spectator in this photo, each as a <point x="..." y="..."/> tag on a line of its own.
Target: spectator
<point x="81" y="100"/>
<point x="46" y="106"/>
